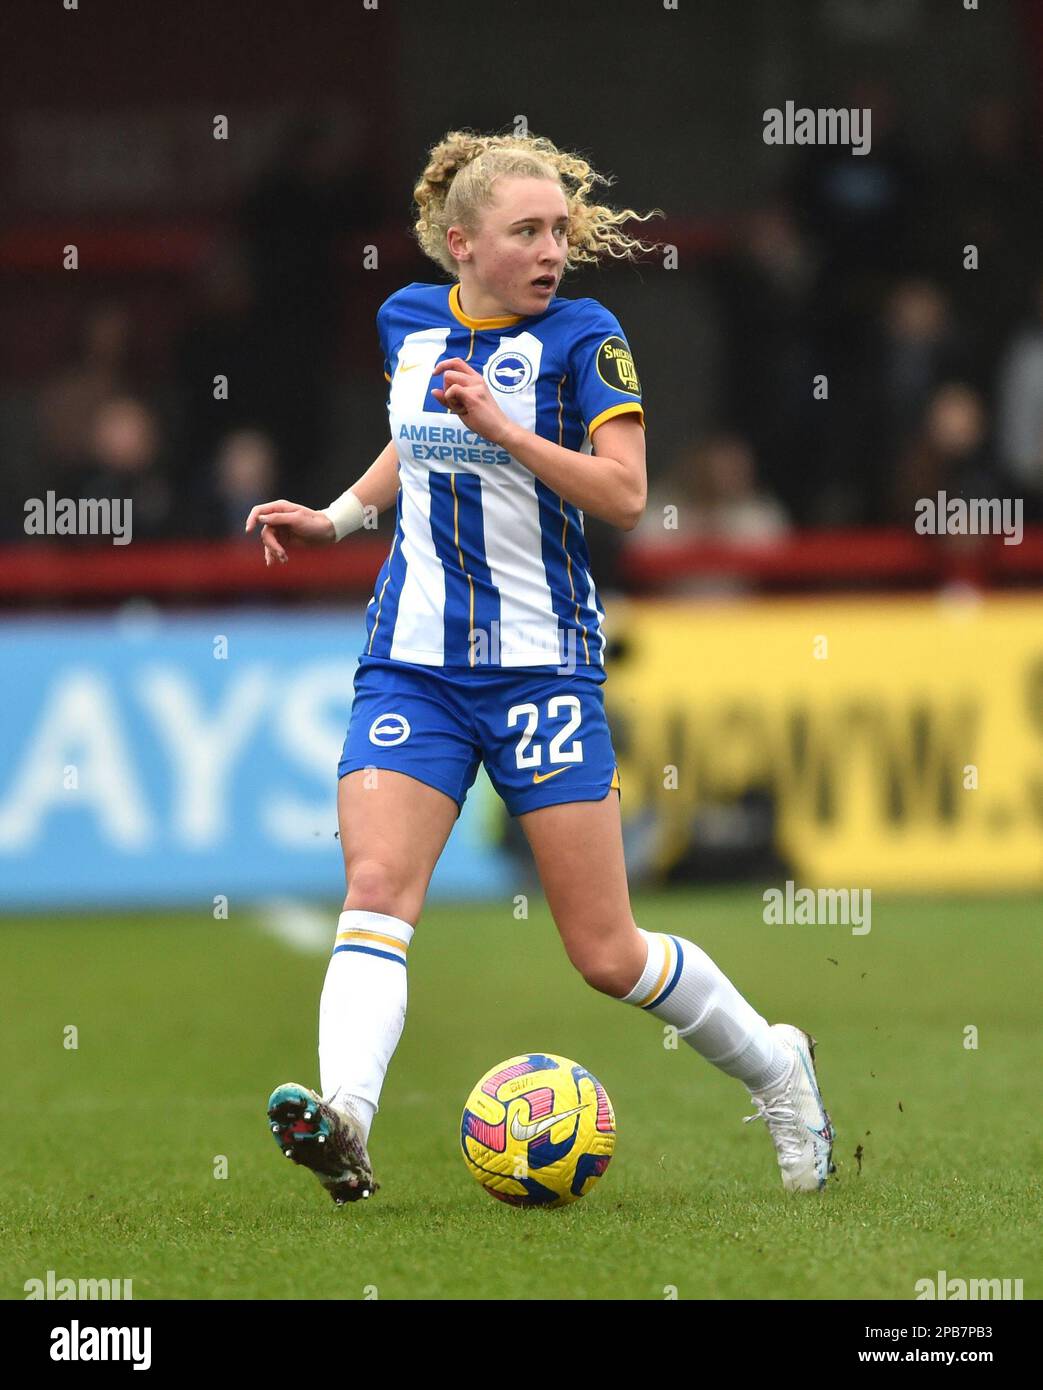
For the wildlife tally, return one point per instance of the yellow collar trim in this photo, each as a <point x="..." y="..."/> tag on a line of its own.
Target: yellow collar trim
<point x="504" y="321"/>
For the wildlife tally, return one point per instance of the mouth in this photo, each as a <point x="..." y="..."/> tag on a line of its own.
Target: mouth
<point x="544" y="283"/>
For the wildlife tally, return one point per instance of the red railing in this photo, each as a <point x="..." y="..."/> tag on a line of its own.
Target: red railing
<point x="844" y="558"/>
<point x="852" y="559"/>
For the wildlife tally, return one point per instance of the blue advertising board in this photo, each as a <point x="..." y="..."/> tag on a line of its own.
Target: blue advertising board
<point x="152" y="758"/>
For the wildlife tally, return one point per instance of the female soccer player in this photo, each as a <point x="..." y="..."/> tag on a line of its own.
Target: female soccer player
<point x="485" y="643"/>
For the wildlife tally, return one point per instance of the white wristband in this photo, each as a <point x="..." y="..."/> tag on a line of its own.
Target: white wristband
<point x="347" y="514"/>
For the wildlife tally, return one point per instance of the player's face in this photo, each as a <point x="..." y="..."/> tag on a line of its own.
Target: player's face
<point x="518" y="256"/>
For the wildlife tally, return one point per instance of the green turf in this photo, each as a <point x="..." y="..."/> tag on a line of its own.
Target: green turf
<point x="185" y="1024"/>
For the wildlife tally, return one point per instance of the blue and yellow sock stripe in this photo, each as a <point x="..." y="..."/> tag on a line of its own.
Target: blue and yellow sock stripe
<point x="673" y="963"/>
<point x="371" y="943"/>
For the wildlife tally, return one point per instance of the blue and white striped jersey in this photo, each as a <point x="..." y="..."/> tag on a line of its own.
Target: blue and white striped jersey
<point x="488" y="566"/>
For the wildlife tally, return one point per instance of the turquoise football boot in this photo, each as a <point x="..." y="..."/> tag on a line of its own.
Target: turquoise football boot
<point x="327" y="1141"/>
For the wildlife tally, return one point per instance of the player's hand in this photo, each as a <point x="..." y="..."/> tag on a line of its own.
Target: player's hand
<point x="467" y="395"/>
<point x="284" y="524"/>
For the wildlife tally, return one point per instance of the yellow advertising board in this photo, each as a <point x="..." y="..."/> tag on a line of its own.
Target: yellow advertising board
<point x="901" y="739"/>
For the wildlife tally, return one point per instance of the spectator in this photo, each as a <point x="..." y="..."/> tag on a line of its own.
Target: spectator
<point x="245" y="472"/>
<point x="123" y="461"/>
<point x="219" y="339"/>
<point x="766" y="289"/>
<point x="991" y="200"/>
<point x="67" y="404"/>
<point x="711" y="494"/>
<point x="1020" y="404"/>
<point x="949" y="455"/>
<point x="916" y="347"/>
<point x="296" y="223"/>
<point x="860" y="210"/>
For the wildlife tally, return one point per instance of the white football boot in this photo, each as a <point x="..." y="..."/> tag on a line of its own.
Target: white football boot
<point x="796" y="1117"/>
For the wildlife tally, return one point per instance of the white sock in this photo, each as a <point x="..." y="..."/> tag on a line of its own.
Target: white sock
<point x="362" y="1010"/>
<point x="681" y="985"/>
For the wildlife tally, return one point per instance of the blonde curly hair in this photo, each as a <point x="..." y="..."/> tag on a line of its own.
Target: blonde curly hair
<point x="458" y="179"/>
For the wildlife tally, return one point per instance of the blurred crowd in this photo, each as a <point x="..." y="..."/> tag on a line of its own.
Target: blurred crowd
<point x="855" y="271"/>
<point x="916" y="292"/>
<point x="244" y="412"/>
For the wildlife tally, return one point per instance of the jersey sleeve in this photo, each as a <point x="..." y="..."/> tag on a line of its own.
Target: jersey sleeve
<point x="605" y="380"/>
<point x="381" y="337"/>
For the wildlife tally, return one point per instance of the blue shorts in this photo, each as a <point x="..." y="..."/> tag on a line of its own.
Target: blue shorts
<point x="543" y="736"/>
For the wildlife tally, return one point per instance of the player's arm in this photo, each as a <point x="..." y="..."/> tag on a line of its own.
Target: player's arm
<point x="612" y="485"/>
<point x="377" y="488"/>
<point x="287" y="523"/>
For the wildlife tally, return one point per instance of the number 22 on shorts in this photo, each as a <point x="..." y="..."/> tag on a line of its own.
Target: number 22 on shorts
<point x="527" y="756"/>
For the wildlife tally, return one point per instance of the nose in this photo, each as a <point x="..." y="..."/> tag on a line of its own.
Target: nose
<point x="550" y="251"/>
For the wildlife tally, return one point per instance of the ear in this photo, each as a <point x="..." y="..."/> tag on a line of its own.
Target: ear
<point x="456" y="241"/>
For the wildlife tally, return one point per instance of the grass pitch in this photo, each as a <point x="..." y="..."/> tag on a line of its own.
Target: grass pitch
<point x="185" y="1024"/>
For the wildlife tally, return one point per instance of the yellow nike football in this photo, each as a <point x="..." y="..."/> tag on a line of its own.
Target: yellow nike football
<point x="538" y="1131"/>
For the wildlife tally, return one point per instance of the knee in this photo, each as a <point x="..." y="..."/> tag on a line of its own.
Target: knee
<point x="611" y="968"/>
<point x="374" y="886"/>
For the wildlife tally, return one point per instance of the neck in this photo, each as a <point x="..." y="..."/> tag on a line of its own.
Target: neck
<point x="476" y="304"/>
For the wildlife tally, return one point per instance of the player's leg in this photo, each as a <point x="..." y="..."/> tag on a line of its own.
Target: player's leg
<point x="579" y="844"/>
<point x="408" y="761"/>
<point x="597" y="928"/>
<point x="549" y="752"/>
<point x="548" y="749"/>
<point x="392" y="830"/>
